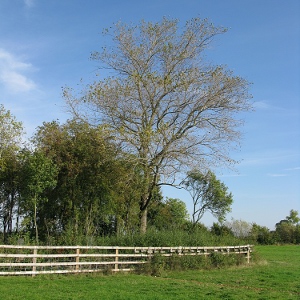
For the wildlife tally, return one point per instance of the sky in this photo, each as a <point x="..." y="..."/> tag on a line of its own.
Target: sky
<point x="46" y="45"/>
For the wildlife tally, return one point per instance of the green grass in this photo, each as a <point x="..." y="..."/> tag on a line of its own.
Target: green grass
<point x="277" y="276"/>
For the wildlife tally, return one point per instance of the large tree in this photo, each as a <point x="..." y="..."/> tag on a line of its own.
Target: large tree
<point x="163" y="101"/>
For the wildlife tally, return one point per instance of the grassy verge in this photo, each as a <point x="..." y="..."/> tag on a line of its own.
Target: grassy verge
<point x="276" y="277"/>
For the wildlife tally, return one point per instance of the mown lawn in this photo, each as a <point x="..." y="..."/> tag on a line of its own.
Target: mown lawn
<point x="276" y="277"/>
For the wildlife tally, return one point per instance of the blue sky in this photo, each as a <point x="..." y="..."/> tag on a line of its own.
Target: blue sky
<point x="46" y="44"/>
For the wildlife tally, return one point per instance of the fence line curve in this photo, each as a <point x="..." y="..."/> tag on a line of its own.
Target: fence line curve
<point x="34" y="260"/>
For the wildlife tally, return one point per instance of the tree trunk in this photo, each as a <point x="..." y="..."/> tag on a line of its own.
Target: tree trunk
<point x="143" y="221"/>
<point x="4" y="232"/>
<point x="35" y="224"/>
<point x="145" y="198"/>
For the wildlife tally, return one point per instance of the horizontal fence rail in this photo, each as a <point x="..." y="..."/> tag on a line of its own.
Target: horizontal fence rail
<point x="33" y="260"/>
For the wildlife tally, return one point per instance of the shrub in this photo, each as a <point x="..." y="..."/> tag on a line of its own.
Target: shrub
<point x="159" y="264"/>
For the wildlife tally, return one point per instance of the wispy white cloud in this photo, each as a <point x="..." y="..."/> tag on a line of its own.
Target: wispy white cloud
<point x="266" y="106"/>
<point x="261" y="105"/>
<point x="29" y="3"/>
<point x="292" y="169"/>
<point x="277" y="175"/>
<point x="12" y="73"/>
<point x="270" y="157"/>
<point x="232" y="175"/>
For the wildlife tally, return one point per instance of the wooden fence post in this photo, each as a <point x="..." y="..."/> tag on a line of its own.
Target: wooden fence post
<point x="248" y="254"/>
<point x="34" y="261"/>
<point x="117" y="260"/>
<point x="77" y="259"/>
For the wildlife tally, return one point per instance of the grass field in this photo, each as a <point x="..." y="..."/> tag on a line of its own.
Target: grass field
<point x="277" y="276"/>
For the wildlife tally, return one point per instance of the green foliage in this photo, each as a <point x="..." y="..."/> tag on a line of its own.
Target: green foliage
<point x="160" y="265"/>
<point x="192" y="236"/>
<point x="10" y="179"/>
<point x="219" y="260"/>
<point x="11" y="132"/>
<point x="96" y="189"/>
<point x="208" y="194"/>
<point x="39" y="175"/>
<point x="168" y="214"/>
<point x="155" y="267"/>
<point x="262" y="235"/>
<point x="77" y="150"/>
<point x="78" y="186"/>
<point x="287" y="230"/>
<point x="221" y="230"/>
<point x="285" y="233"/>
<point x="293" y="217"/>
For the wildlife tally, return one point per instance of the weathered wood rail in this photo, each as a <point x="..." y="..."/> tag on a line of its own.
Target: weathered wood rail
<point x="33" y="260"/>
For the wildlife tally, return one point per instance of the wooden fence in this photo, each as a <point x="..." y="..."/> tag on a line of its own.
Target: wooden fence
<point x="33" y="260"/>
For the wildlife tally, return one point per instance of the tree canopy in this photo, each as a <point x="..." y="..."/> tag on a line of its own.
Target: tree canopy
<point x="293" y="217"/>
<point x="11" y="132"/>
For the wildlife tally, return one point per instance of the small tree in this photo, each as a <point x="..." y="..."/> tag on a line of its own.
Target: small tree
<point x="261" y="234"/>
<point x="287" y="230"/>
<point x="39" y="175"/>
<point x="168" y="214"/>
<point x="293" y="217"/>
<point x="239" y="228"/>
<point x="208" y="194"/>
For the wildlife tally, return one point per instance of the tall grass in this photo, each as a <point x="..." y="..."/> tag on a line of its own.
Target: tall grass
<point x="194" y="236"/>
<point x="171" y="238"/>
<point x="160" y="265"/>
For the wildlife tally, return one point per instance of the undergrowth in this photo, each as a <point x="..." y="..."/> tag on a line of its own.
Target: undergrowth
<point x="154" y="238"/>
<point x="159" y="264"/>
